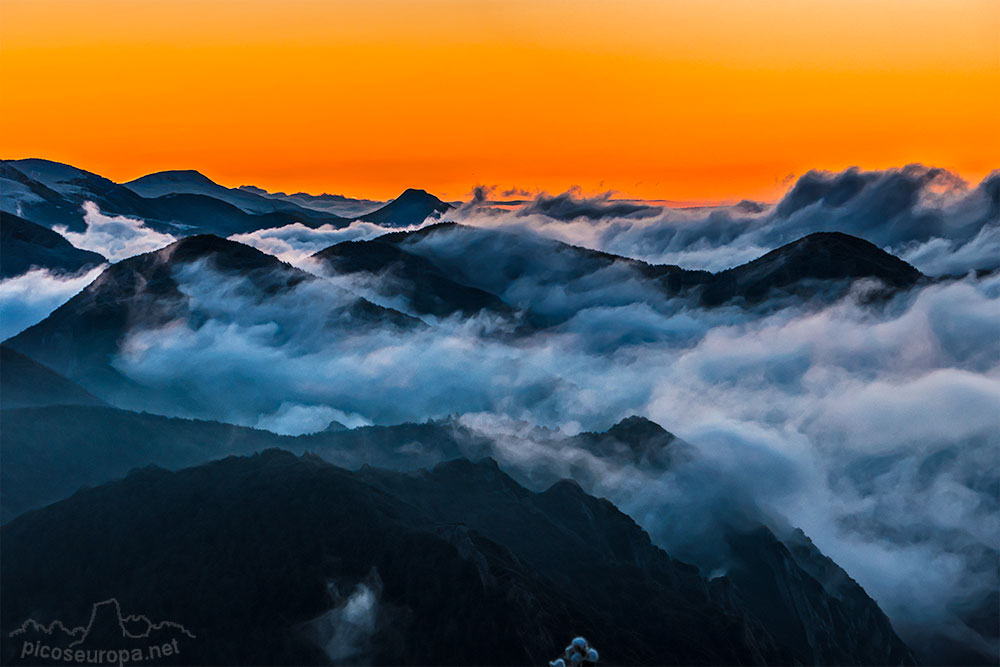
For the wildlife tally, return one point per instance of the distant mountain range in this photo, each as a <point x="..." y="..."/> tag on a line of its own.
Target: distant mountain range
<point x="182" y="202"/>
<point x="336" y="204"/>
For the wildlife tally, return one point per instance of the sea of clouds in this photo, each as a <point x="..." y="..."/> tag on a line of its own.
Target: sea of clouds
<point x="874" y="427"/>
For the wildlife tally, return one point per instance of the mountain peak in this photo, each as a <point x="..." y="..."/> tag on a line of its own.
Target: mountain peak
<point x="226" y="254"/>
<point x="199" y="245"/>
<point x="637" y="440"/>
<point x="636" y="429"/>
<point x="175" y="176"/>
<point x="414" y="193"/>
<point x="410" y="208"/>
<point x="835" y="255"/>
<point x="821" y="256"/>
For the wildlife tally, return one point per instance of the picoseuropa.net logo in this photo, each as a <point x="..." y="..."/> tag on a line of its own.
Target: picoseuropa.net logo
<point x="109" y="638"/>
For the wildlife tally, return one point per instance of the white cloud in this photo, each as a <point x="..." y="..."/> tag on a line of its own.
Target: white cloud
<point x="115" y="237"/>
<point x="28" y="299"/>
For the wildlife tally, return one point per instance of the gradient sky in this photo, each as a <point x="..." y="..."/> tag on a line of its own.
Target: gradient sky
<point x="701" y="101"/>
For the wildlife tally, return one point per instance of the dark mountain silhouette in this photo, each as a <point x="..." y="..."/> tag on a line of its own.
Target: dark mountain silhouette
<point x="494" y="260"/>
<point x="49" y="453"/>
<point x="25" y="245"/>
<point x="245" y="551"/>
<point x="168" y="182"/>
<point x="796" y="268"/>
<point x="813" y="607"/>
<point x="823" y="617"/>
<point x="50" y="193"/>
<point x="821" y="266"/>
<point x="638" y="441"/>
<point x="408" y="209"/>
<point x="27" y="383"/>
<point x="398" y="273"/>
<point x="80" y="339"/>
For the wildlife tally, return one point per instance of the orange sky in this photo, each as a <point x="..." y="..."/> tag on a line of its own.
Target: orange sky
<point x="695" y="100"/>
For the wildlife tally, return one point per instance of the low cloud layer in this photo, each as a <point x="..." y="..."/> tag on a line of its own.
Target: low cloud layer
<point x="28" y="299"/>
<point x="116" y="237"/>
<point x="295" y="243"/>
<point x="927" y="216"/>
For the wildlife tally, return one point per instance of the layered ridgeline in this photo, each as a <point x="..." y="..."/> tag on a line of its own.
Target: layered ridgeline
<point x="347" y="207"/>
<point x="203" y="284"/>
<point x="166" y="288"/>
<point x="279" y="559"/>
<point x="900" y="210"/>
<point x="449" y="268"/>
<point x="182" y="203"/>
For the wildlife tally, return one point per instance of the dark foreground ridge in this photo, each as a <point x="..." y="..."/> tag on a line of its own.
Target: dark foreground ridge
<point x="258" y="557"/>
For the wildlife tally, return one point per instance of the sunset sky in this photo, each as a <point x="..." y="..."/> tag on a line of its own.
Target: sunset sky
<point x="695" y="101"/>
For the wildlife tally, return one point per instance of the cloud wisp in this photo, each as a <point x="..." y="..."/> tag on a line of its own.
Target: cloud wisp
<point x="116" y="237"/>
<point x="29" y="298"/>
<point x="295" y="243"/>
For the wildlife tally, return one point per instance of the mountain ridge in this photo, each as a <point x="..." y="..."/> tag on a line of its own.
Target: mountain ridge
<point x="80" y="338"/>
<point x="495" y="546"/>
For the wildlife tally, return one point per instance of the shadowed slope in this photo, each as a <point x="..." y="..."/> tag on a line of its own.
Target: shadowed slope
<point x="25" y="245"/>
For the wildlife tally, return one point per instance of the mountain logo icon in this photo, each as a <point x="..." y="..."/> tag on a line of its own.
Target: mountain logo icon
<point x="109" y="635"/>
<point x="105" y="615"/>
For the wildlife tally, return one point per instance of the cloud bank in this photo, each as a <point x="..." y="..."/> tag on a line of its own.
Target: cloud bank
<point x="927" y="216"/>
<point x="295" y="243"/>
<point x="29" y="298"/>
<point x="116" y="237"/>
